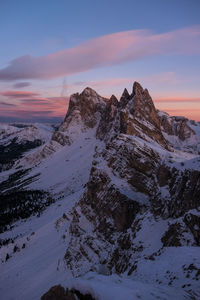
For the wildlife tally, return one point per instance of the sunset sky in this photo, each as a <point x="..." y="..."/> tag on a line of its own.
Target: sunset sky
<point x="51" y="49"/>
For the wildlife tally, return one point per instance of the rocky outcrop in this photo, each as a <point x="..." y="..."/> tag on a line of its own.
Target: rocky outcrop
<point x="172" y="238"/>
<point x="182" y="192"/>
<point x="57" y="292"/>
<point x="176" y="126"/>
<point x="84" y="109"/>
<point x="193" y="223"/>
<point x="61" y="138"/>
<point x="135" y="114"/>
<point x="84" y="113"/>
<point x="103" y="214"/>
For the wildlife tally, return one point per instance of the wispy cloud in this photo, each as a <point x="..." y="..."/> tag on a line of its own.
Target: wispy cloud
<point x="31" y="106"/>
<point x="20" y="85"/>
<point x="177" y="99"/>
<point x="18" y="94"/>
<point x="35" y="101"/>
<point x="7" y="104"/>
<point x="104" y="51"/>
<point x="167" y="77"/>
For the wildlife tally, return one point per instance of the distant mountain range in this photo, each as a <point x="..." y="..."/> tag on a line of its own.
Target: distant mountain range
<point x="106" y="204"/>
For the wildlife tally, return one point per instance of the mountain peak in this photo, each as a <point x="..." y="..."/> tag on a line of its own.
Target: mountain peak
<point x="135" y="114"/>
<point x="124" y="98"/>
<point x="89" y="92"/>
<point x="113" y="100"/>
<point x="137" y="89"/>
<point x="83" y="113"/>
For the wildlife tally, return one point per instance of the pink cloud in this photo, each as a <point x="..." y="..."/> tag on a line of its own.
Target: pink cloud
<point x="35" y="101"/>
<point x="34" y="107"/>
<point x="177" y="99"/>
<point x="18" y="94"/>
<point x="104" y="51"/>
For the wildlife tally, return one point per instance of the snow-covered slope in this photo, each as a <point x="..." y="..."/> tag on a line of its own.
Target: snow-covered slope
<point x="18" y="139"/>
<point x="108" y="203"/>
<point x="25" y="132"/>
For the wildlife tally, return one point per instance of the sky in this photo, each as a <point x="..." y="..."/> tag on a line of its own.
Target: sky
<point x="52" y="49"/>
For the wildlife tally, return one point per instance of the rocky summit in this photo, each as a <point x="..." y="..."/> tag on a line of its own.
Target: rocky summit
<point x="107" y="204"/>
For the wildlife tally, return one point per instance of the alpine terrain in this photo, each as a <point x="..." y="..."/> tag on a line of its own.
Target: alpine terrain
<point x="104" y="206"/>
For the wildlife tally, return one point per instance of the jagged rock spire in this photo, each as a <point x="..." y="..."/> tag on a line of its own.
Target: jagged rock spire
<point x="137" y="89"/>
<point x="113" y="100"/>
<point x="124" y="98"/>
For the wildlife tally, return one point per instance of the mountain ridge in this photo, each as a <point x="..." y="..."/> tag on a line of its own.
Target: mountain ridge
<point x="127" y="179"/>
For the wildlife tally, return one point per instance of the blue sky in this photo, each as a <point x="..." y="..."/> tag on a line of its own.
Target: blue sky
<point x="41" y="28"/>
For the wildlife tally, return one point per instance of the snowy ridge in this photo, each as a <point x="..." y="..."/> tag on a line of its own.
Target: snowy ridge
<point x="180" y="132"/>
<point x="27" y="133"/>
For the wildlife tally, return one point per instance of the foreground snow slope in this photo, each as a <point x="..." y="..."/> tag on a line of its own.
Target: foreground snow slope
<point x="67" y="170"/>
<point x="30" y="271"/>
<point x="103" y="287"/>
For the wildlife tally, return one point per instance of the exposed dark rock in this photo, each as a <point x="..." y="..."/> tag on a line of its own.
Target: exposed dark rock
<point x="193" y="223"/>
<point x="124" y="98"/>
<point x="171" y="238"/>
<point x="57" y="292"/>
<point x="113" y="100"/>
<point x="185" y="193"/>
<point x="60" y="138"/>
<point x="163" y="175"/>
<point x="109" y="124"/>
